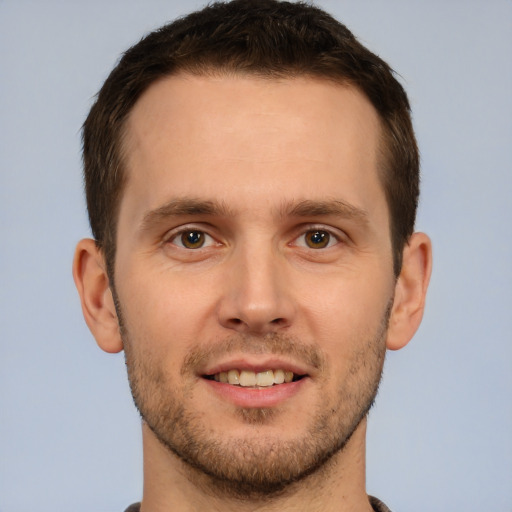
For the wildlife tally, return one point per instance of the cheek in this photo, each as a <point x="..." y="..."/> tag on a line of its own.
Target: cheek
<point x="164" y="316"/>
<point x="344" y="312"/>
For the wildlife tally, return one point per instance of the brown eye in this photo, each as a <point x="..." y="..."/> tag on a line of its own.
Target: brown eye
<point x="317" y="239"/>
<point x="192" y="239"/>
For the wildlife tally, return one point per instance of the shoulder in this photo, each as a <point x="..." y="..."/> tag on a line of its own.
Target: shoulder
<point x="133" y="508"/>
<point x="376" y="504"/>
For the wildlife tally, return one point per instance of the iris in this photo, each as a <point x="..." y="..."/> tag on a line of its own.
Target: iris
<point x="317" y="239"/>
<point x="192" y="239"/>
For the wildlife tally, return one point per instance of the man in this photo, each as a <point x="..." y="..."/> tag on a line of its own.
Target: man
<point x="252" y="180"/>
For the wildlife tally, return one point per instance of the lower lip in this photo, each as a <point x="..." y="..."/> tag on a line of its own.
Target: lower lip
<point x="256" y="397"/>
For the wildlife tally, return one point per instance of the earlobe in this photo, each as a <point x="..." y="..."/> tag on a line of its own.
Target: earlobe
<point x="91" y="280"/>
<point x="410" y="291"/>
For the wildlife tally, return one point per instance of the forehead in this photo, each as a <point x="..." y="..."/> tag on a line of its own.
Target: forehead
<point x="189" y="101"/>
<point x="217" y="134"/>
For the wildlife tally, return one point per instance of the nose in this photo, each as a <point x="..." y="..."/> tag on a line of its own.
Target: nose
<point x="256" y="295"/>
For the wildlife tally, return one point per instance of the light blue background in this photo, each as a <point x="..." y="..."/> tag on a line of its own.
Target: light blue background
<point x="440" y="437"/>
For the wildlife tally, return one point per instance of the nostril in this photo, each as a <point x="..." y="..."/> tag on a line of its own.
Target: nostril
<point x="254" y="324"/>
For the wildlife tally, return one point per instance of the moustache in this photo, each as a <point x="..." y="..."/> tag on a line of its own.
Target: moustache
<point x="271" y="343"/>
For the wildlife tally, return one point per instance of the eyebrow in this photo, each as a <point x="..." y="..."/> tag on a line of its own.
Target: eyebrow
<point x="305" y="208"/>
<point x="335" y="207"/>
<point x="183" y="207"/>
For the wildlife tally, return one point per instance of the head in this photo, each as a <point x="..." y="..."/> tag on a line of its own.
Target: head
<point x="252" y="179"/>
<point x="267" y="39"/>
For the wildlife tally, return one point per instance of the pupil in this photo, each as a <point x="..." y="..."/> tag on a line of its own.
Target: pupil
<point x="193" y="237"/>
<point x="317" y="237"/>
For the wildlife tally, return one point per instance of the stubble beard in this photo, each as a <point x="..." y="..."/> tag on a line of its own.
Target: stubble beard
<point x="258" y="466"/>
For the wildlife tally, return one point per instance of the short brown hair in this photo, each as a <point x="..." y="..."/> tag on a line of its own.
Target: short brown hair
<point x="266" y="38"/>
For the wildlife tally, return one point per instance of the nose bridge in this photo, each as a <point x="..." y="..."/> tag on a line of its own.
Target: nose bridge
<point x="256" y="297"/>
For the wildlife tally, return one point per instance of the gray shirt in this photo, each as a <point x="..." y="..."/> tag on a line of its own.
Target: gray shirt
<point x="376" y="504"/>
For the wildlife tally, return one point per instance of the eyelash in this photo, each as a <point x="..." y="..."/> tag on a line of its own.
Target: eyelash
<point x="332" y="238"/>
<point x="178" y="235"/>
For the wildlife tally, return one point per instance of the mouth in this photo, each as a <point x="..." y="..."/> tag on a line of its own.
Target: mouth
<point x="258" y="383"/>
<point x="252" y="379"/>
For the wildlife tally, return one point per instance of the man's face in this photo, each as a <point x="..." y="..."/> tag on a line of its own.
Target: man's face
<point x="253" y="243"/>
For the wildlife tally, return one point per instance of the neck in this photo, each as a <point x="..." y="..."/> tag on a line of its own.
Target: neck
<point x="171" y="484"/>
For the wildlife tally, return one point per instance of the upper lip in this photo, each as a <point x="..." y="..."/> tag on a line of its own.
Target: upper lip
<point x="255" y="364"/>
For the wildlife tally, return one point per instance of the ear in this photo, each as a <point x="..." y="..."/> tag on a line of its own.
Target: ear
<point x="410" y="291"/>
<point x="91" y="280"/>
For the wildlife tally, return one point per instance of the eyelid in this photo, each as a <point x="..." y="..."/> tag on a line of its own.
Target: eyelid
<point x="337" y="234"/>
<point x="175" y="233"/>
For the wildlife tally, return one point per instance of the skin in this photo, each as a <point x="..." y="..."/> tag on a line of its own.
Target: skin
<point x="256" y="166"/>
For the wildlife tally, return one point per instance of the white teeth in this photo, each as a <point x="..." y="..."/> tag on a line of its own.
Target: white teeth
<point x="234" y="377"/>
<point x="265" y="379"/>
<point x="279" y="376"/>
<point x="247" y="378"/>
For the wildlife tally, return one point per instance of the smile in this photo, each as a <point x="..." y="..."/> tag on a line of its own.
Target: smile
<point x="251" y="379"/>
